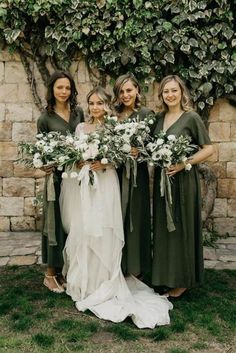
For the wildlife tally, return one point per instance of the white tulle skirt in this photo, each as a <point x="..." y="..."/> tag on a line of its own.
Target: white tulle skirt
<point x="91" y="216"/>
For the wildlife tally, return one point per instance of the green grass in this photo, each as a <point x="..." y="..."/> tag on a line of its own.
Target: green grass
<point x="32" y="319"/>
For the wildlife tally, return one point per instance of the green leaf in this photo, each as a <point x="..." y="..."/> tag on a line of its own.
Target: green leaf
<point x="169" y="57"/>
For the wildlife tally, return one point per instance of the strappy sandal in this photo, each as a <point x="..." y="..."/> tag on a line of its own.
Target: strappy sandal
<point x="57" y="289"/>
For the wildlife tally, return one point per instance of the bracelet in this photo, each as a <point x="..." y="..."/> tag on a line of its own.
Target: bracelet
<point x="187" y="166"/>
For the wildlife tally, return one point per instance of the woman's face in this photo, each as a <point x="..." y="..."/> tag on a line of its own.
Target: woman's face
<point x="62" y="90"/>
<point x="128" y="94"/>
<point x="172" y="94"/>
<point x="96" y="107"/>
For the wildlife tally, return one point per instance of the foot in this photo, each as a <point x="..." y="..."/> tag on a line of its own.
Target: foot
<point x="176" y="292"/>
<point x="51" y="283"/>
<point x="61" y="280"/>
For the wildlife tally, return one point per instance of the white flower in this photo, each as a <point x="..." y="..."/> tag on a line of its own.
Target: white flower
<point x="73" y="175"/>
<point x="37" y="162"/>
<point x="188" y="167"/>
<point x="40" y="143"/>
<point x="60" y="168"/>
<point x="151" y="122"/>
<point x="69" y="139"/>
<point x="62" y="159"/>
<point x="126" y="148"/>
<point x="114" y="118"/>
<point x="171" y="137"/>
<point x="104" y="161"/>
<point x="64" y="175"/>
<point x="159" y="141"/>
<point x="39" y="136"/>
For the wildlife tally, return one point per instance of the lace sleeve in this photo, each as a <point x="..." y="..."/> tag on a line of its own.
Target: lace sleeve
<point x="79" y="129"/>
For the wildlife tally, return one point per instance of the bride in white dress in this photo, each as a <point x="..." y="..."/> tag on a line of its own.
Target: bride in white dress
<point x="92" y="218"/>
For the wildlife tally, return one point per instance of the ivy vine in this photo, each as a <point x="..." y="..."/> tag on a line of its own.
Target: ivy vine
<point x="152" y="38"/>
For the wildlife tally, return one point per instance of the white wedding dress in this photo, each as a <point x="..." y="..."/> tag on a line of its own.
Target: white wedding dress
<point x="91" y="216"/>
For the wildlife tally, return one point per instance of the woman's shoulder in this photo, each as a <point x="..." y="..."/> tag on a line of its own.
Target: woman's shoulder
<point x="193" y="116"/>
<point x="44" y="115"/>
<point x="145" y="111"/>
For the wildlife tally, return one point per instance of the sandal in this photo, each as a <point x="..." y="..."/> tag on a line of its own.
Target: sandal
<point x="57" y="289"/>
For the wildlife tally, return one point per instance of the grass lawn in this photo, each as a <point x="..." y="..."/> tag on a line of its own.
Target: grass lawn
<point x="34" y="320"/>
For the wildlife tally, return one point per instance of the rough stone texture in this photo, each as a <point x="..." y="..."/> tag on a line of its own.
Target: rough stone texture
<point x="5" y="131"/>
<point x="8" y="92"/>
<point x="1" y="72"/>
<point x="226" y="188"/>
<point x="219" y="131"/>
<point x="11" y="206"/>
<point x="231" y="170"/>
<point x="8" y="151"/>
<point x="18" y="187"/>
<point x="219" y="169"/>
<point x="4" y="261"/>
<point x="15" y="73"/>
<point x="227" y="152"/>
<point x="210" y="254"/>
<point x="6" y="169"/>
<point x="23" y="172"/>
<point x="22" y="260"/>
<point x="24" y="223"/>
<point x="220" y="208"/>
<point x="24" y="131"/>
<point x="4" y="224"/>
<point x="231" y="211"/>
<point x="2" y="111"/>
<point x="225" y="225"/>
<point x="29" y="208"/>
<point x="233" y="132"/>
<point x="19" y="112"/>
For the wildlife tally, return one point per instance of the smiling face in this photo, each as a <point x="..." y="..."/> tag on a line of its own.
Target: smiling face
<point x="172" y="94"/>
<point x="62" y="90"/>
<point x="96" y="107"/>
<point x="128" y="94"/>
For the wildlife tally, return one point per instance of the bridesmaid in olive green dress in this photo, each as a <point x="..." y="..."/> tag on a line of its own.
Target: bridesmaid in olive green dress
<point x="178" y="254"/>
<point x="62" y="115"/>
<point x="136" y="258"/>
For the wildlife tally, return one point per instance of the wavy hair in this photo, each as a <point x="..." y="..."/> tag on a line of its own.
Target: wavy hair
<point x="50" y="95"/>
<point x="186" y="103"/>
<point x="121" y="80"/>
<point x="103" y="95"/>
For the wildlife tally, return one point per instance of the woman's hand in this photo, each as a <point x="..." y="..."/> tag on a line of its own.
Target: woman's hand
<point x="134" y="152"/>
<point x="48" y="169"/>
<point x="97" y="165"/>
<point x="175" y="168"/>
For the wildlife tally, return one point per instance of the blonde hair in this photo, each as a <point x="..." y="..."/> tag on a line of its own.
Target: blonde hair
<point x="121" y="80"/>
<point x="103" y="95"/>
<point x="186" y="103"/>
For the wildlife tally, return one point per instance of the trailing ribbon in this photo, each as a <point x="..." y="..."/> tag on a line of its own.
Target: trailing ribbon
<point x="165" y="188"/>
<point x="49" y="210"/>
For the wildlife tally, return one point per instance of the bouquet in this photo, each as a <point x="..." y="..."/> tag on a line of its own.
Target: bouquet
<point x="164" y="151"/>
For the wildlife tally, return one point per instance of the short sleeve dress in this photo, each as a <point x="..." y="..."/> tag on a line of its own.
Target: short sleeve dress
<point x="178" y="255"/>
<point x="53" y="235"/>
<point x="136" y="257"/>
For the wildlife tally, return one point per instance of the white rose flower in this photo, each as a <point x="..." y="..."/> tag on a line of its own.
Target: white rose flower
<point x="151" y="122"/>
<point x="188" y="167"/>
<point x="60" y="168"/>
<point x="104" y="161"/>
<point x="64" y="175"/>
<point x="171" y="137"/>
<point x="126" y="148"/>
<point x="73" y="175"/>
<point x="37" y="163"/>
<point x="159" y="141"/>
<point x="39" y="136"/>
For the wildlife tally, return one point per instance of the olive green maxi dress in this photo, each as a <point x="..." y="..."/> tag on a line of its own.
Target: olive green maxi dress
<point x="53" y="235"/>
<point x="178" y="255"/>
<point x="136" y="256"/>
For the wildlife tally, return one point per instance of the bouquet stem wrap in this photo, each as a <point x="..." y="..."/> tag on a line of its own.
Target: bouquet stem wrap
<point x="165" y="188"/>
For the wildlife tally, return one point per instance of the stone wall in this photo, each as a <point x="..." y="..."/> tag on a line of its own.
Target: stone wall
<point x="18" y="116"/>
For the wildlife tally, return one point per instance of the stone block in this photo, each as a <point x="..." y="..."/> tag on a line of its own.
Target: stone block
<point x="19" y="112"/>
<point x="219" y="169"/>
<point x="226" y="188"/>
<point x="22" y="171"/>
<point x="233" y="132"/>
<point x="209" y="253"/>
<point x="5" y="131"/>
<point x="36" y="113"/>
<point x="24" y="223"/>
<point x="226" y="111"/>
<point x="4" y="224"/>
<point x="15" y="72"/>
<point x="8" y="151"/>
<point x="220" y="208"/>
<point x="4" y="261"/>
<point x="1" y="186"/>
<point x="215" y="112"/>
<point x="18" y="187"/>
<point x="1" y="71"/>
<point x="231" y="170"/>
<point x="231" y="210"/>
<point x="219" y="131"/>
<point x="29" y="208"/>
<point x="82" y="72"/>
<point x="24" y="94"/>
<point x="225" y="225"/>
<point x="226" y="241"/>
<point x="6" y="169"/>
<point x="11" y="206"/>
<point x="2" y="111"/>
<point x="227" y="152"/>
<point x="6" y="56"/>
<point x="8" y="93"/>
<point x="24" y="251"/>
<point x="22" y="260"/>
<point x="24" y="132"/>
<point x="210" y="264"/>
